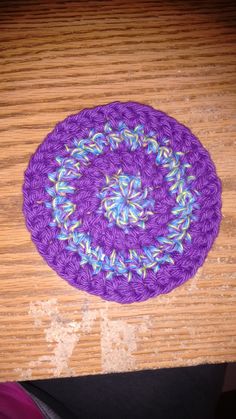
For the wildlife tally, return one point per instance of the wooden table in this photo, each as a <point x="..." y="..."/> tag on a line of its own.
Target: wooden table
<point x="56" y="59"/>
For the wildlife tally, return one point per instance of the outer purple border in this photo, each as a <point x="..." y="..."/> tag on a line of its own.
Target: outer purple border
<point x="66" y="264"/>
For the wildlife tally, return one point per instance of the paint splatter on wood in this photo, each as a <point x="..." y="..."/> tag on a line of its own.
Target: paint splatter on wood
<point x="119" y="342"/>
<point x="61" y="334"/>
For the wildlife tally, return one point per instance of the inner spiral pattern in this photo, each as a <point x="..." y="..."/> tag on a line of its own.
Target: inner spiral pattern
<point x="124" y="202"/>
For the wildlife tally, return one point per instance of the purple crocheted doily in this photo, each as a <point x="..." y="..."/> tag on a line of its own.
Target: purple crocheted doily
<point x="122" y="201"/>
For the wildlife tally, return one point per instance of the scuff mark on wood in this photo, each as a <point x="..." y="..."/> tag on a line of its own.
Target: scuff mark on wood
<point x="23" y="374"/>
<point x="119" y="341"/>
<point x="61" y="334"/>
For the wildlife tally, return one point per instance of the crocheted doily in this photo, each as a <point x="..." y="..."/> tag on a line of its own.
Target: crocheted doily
<point x="122" y="201"/>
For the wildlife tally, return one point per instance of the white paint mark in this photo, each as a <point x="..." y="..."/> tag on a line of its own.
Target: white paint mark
<point x="192" y="284"/>
<point x="23" y="374"/>
<point x="87" y="320"/>
<point x="61" y="334"/>
<point x="119" y="342"/>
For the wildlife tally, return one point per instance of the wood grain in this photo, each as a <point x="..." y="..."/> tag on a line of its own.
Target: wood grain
<point x="57" y="58"/>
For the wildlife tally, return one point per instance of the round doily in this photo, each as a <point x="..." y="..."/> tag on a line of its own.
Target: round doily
<point x="122" y="201"/>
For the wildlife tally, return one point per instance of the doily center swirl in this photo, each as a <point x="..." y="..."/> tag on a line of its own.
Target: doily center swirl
<point x="124" y="202"/>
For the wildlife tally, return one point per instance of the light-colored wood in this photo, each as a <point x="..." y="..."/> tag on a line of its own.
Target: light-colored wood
<point x="56" y="59"/>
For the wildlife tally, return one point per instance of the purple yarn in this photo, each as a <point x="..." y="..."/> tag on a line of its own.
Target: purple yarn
<point x="203" y="230"/>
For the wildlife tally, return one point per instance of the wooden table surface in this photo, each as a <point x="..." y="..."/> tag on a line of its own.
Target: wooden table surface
<point x="58" y="57"/>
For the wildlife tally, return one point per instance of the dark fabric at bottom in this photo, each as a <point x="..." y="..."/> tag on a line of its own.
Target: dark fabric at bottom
<point x="177" y="393"/>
